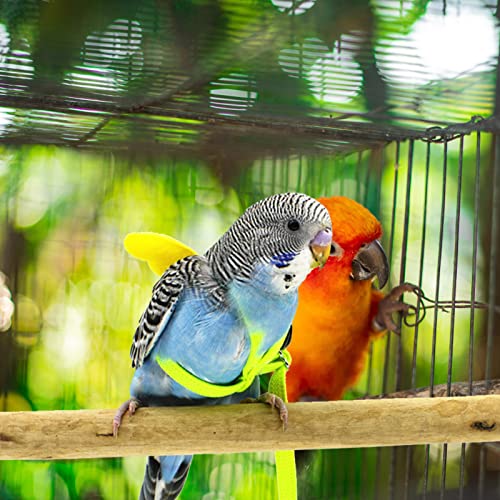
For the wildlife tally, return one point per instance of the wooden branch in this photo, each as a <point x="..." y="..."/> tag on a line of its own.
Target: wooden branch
<point x="250" y="427"/>
<point x="479" y="388"/>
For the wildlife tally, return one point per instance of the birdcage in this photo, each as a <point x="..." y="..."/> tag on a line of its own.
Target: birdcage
<point x="174" y="116"/>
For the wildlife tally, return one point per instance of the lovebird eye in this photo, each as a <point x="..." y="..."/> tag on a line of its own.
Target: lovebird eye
<point x="293" y="225"/>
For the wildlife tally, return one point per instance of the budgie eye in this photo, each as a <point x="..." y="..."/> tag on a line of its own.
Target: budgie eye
<point x="293" y="225"/>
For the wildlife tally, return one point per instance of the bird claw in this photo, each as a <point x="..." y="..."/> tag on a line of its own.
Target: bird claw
<point x="131" y="406"/>
<point x="390" y="304"/>
<point x="275" y="402"/>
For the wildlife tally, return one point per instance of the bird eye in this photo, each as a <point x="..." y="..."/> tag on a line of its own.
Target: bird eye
<point x="333" y="249"/>
<point x="293" y="225"/>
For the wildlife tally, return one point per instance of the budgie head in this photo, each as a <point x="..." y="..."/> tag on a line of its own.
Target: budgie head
<point x="276" y="242"/>
<point x="356" y="252"/>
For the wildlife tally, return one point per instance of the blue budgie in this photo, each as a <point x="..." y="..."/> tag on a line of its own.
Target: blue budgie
<point x="212" y="318"/>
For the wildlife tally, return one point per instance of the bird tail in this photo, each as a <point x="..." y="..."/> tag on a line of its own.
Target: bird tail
<point x="165" y="477"/>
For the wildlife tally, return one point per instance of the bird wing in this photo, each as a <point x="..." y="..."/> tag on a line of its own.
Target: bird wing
<point x="162" y="305"/>
<point x="160" y="251"/>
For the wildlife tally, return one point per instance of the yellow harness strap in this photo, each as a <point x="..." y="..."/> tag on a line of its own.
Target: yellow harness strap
<point x="286" y="471"/>
<point x="274" y="360"/>
<point x="255" y="365"/>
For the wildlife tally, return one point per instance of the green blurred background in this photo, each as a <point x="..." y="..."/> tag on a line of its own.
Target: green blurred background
<point x="174" y="117"/>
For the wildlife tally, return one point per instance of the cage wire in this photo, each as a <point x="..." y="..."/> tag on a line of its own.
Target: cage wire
<point x="444" y="209"/>
<point x="173" y="119"/>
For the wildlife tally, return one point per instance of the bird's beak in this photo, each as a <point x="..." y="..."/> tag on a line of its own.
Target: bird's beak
<point x="320" y="247"/>
<point x="369" y="262"/>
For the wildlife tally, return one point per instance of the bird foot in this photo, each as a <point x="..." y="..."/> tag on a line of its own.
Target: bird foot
<point x="131" y="406"/>
<point x="390" y="304"/>
<point x="275" y="402"/>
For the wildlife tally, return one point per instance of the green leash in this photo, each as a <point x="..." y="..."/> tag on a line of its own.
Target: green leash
<point x="275" y="361"/>
<point x="286" y="472"/>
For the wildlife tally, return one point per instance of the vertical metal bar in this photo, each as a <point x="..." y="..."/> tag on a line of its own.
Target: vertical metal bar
<point x="461" y="479"/>
<point x="422" y="255"/>
<point x="474" y="258"/>
<point x="455" y="266"/>
<point x="482" y="469"/>
<point x="426" y="472"/>
<point x="473" y="299"/>
<point x="495" y="207"/>
<point x="402" y="274"/>
<point x="391" y="249"/>
<point x="438" y="282"/>
<point x="453" y="299"/>
<point x="404" y="250"/>
<point x="394" y="198"/>
<point x="438" y="270"/>
<point x="408" y="466"/>
<point x="444" y="462"/>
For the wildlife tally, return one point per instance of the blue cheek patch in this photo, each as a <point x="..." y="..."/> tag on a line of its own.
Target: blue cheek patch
<point x="283" y="260"/>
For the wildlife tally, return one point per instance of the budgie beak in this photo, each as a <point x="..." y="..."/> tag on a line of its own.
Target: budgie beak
<point x="369" y="262"/>
<point x="320" y="247"/>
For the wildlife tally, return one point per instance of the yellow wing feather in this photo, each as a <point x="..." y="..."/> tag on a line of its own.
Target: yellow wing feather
<point x="158" y="250"/>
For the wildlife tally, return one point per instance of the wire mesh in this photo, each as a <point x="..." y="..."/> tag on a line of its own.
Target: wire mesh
<point x="317" y="96"/>
<point x="436" y="202"/>
<point x="241" y="76"/>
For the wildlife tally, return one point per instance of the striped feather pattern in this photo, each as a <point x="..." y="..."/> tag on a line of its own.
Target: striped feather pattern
<point x="154" y="488"/>
<point x="261" y="234"/>
<point x="190" y="271"/>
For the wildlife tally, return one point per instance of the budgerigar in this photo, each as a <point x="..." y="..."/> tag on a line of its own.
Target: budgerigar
<point x="208" y="313"/>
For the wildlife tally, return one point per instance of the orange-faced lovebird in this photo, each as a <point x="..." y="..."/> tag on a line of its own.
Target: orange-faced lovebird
<point x="339" y="311"/>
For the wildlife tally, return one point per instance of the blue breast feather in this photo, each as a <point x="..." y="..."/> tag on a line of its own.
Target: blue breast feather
<point x="214" y="344"/>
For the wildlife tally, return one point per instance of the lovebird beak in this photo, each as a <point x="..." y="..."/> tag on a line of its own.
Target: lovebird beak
<point x="320" y="247"/>
<point x="369" y="262"/>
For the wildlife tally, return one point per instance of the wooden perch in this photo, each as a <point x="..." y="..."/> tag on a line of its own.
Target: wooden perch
<point x="250" y="427"/>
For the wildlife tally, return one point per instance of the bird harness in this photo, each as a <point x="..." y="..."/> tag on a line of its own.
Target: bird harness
<point x="275" y="360"/>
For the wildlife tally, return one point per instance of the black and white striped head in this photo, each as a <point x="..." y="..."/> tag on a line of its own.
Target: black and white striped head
<point x="288" y="234"/>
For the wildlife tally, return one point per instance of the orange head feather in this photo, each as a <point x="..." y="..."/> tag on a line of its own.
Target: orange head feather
<point x="352" y="223"/>
<point x="332" y="327"/>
